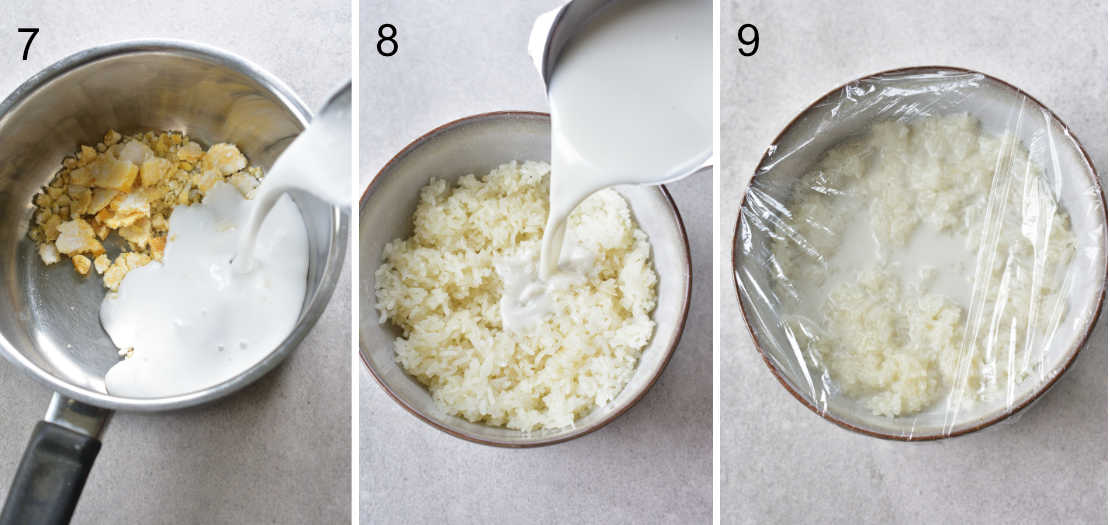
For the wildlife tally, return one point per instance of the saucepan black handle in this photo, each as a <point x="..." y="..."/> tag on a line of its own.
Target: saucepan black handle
<point x="50" y="476"/>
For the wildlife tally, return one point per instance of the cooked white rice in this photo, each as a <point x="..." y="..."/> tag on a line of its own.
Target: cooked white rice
<point x="440" y="288"/>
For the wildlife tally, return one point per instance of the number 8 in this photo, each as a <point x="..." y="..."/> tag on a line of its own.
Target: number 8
<point x="387" y="38"/>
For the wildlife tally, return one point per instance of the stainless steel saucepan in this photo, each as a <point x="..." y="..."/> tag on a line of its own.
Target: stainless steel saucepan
<point x="49" y="315"/>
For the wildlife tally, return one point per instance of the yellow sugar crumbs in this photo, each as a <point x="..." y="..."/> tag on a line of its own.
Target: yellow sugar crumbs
<point x="128" y="186"/>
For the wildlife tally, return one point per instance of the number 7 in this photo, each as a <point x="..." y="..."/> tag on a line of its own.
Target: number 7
<point x="34" y="31"/>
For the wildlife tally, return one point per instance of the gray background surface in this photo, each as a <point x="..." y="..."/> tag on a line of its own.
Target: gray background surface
<point x="279" y="451"/>
<point x="780" y="463"/>
<point x="651" y="465"/>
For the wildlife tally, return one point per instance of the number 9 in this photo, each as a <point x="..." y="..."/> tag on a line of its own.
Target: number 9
<point x="753" y="41"/>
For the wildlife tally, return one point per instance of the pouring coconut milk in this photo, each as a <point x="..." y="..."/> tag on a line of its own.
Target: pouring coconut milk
<point x="198" y="318"/>
<point x="631" y="103"/>
<point x="326" y="143"/>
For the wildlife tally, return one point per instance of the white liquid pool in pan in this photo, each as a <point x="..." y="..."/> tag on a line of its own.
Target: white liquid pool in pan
<point x="197" y="319"/>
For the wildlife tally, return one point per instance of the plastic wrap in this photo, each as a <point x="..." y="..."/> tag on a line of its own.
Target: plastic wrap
<point x="921" y="253"/>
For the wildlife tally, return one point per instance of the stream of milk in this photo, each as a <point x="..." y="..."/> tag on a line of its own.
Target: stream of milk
<point x="631" y="103"/>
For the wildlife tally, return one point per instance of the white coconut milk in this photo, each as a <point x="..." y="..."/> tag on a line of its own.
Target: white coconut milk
<point x="191" y="320"/>
<point x="231" y="284"/>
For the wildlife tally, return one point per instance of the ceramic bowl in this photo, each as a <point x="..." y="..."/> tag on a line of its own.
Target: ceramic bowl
<point x="476" y="145"/>
<point x="908" y="94"/>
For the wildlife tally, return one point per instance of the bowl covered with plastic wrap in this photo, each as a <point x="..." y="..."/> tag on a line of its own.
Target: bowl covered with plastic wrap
<point x="921" y="253"/>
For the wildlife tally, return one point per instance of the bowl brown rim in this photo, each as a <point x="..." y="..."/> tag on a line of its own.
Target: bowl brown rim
<point x="1092" y="173"/>
<point x="672" y="345"/>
